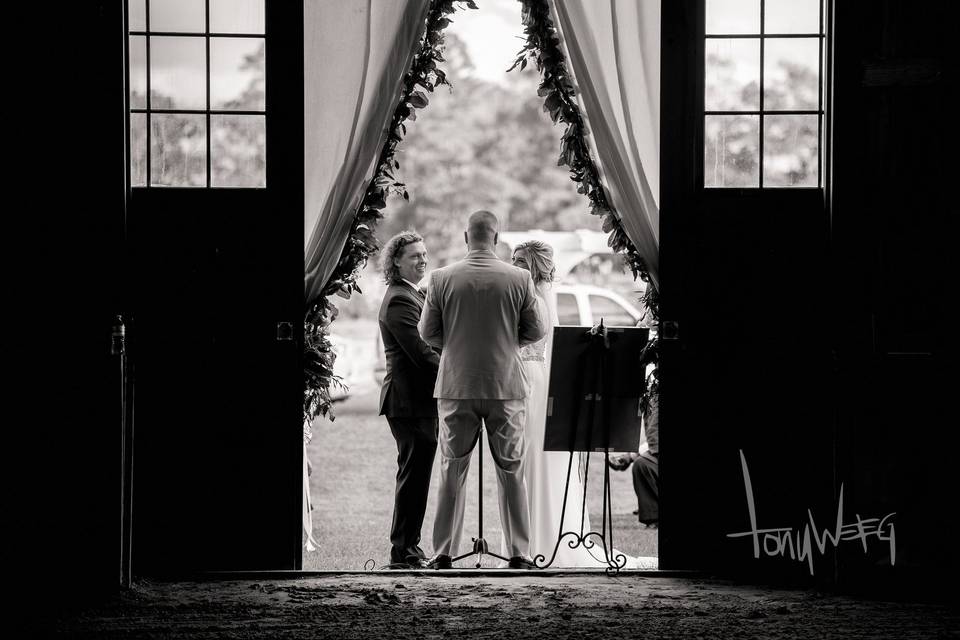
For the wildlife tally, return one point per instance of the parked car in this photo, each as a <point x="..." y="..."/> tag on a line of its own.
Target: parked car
<point x="583" y="305"/>
<point x="577" y="305"/>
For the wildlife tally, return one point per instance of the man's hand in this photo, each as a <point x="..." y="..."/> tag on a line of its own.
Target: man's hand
<point x="622" y="461"/>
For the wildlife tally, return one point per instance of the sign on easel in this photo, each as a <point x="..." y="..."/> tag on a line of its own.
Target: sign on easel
<point x="593" y="402"/>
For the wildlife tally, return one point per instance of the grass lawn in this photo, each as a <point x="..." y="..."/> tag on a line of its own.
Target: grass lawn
<point x="354" y="467"/>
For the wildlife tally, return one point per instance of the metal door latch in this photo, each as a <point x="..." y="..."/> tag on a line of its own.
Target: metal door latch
<point x="669" y="330"/>
<point x="284" y="331"/>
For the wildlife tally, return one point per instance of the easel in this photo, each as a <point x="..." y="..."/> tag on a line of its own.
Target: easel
<point x="593" y="388"/>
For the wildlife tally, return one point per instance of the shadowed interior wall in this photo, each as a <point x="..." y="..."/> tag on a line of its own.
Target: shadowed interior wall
<point x="893" y="208"/>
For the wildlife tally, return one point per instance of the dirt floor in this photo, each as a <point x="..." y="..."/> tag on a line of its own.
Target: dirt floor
<point x="426" y="605"/>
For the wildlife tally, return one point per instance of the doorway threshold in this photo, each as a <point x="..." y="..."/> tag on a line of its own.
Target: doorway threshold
<point x="445" y="573"/>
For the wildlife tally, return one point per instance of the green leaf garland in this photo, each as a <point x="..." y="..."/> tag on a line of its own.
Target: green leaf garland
<point x="424" y="76"/>
<point x="559" y="94"/>
<point x="556" y="87"/>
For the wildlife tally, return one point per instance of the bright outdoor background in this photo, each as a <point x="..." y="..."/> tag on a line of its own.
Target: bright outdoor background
<point x="487" y="144"/>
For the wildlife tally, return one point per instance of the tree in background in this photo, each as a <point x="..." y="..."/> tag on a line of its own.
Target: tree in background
<point x="482" y="145"/>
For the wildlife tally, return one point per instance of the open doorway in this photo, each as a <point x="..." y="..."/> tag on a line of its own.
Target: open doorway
<point x="487" y="144"/>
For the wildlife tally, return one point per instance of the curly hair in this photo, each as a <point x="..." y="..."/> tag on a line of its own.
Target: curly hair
<point x="394" y="249"/>
<point x="539" y="258"/>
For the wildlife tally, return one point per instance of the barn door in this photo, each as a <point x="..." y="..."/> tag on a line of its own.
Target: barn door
<point x="746" y="362"/>
<point x="215" y="243"/>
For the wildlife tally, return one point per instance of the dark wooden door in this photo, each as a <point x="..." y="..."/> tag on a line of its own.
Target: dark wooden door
<point x="217" y="386"/>
<point x="743" y="273"/>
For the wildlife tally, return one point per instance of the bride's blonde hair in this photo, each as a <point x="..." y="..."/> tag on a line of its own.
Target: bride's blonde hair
<point x="539" y="258"/>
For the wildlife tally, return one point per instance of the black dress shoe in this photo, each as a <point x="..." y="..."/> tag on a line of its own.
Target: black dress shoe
<point x="406" y="556"/>
<point x="440" y="561"/>
<point x="520" y="562"/>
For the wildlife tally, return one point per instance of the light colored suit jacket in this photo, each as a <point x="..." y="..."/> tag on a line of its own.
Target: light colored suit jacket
<point x="480" y="311"/>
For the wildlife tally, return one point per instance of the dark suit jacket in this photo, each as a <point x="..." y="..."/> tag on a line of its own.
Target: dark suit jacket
<point x="412" y="364"/>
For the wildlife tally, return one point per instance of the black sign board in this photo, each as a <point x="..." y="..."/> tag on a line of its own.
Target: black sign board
<point x="596" y="382"/>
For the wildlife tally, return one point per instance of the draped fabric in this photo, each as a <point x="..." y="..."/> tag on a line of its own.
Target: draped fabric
<point x="307" y="505"/>
<point x="356" y="53"/>
<point x="613" y="52"/>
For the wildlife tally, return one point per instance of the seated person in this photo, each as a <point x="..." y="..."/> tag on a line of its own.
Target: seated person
<point x="646" y="467"/>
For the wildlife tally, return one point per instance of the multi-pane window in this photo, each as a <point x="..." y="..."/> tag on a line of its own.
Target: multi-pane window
<point x="197" y="93"/>
<point x="763" y="93"/>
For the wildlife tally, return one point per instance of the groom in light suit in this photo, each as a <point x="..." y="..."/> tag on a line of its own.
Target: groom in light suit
<point x="480" y="311"/>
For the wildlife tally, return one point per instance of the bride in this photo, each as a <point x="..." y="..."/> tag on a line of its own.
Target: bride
<point x="546" y="471"/>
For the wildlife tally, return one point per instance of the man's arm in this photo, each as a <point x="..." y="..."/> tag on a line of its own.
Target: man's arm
<point x="402" y="318"/>
<point x="431" y="321"/>
<point x="532" y="327"/>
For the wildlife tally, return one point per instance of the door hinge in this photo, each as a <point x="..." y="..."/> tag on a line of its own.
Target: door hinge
<point x="118" y="336"/>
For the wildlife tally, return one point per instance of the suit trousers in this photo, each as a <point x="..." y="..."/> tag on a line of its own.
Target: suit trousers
<point x="646" y="484"/>
<point x="460" y="424"/>
<point x="416" y="448"/>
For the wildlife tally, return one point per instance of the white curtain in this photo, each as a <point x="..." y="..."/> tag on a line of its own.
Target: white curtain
<point x="356" y="53"/>
<point x="613" y="52"/>
<point x="309" y="540"/>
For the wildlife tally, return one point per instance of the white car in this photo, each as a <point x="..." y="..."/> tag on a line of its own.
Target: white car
<point x="577" y="305"/>
<point x="583" y="305"/>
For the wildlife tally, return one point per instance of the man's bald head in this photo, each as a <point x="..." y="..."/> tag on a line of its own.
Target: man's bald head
<point x="482" y="229"/>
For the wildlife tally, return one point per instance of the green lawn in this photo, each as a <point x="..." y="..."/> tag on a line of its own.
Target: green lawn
<point x="354" y="466"/>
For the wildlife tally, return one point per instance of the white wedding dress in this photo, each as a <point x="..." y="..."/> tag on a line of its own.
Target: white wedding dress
<point x="546" y="471"/>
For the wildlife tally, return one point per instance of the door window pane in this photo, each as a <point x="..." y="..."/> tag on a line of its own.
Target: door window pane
<point x="733" y="74"/>
<point x="138" y="149"/>
<point x="138" y="72"/>
<point x="238" y="151"/>
<point x="188" y="16"/>
<point x="791" y="16"/>
<point x="791" y="74"/>
<point x="178" y="73"/>
<point x="567" y="310"/>
<point x="236" y="16"/>
<point x="237" y="74"/>
<point x="137" y="15"/>
<point x="731" y="151"/>
<point x="790" y="150"/>
<point x="178" y="150"/>
<point x="733" y="16"/>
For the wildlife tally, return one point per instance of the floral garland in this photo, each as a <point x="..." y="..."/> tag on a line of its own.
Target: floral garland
<point x="319" y="357"/>
<point x="557" y="88"/>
